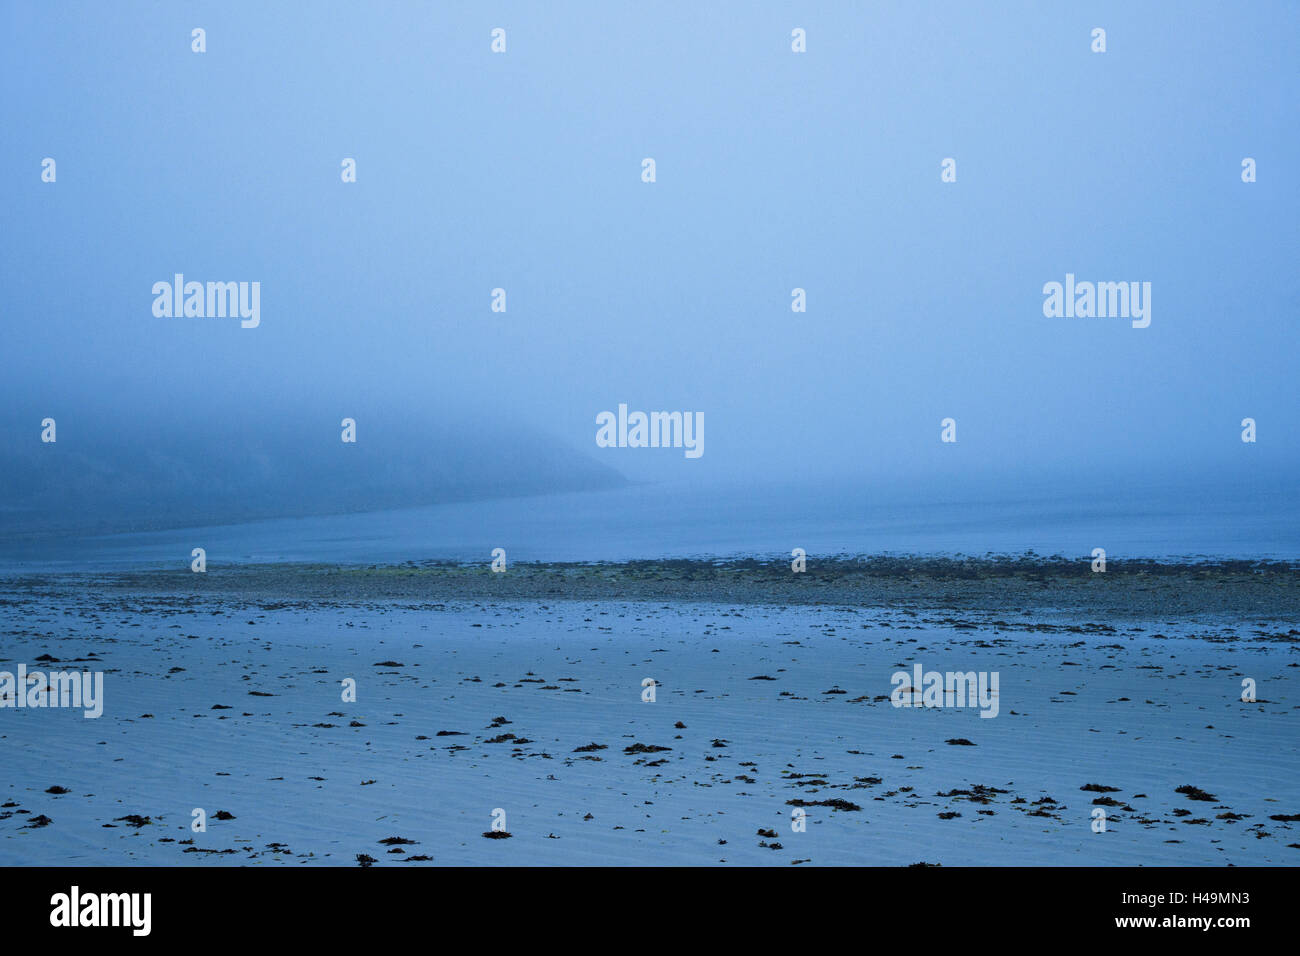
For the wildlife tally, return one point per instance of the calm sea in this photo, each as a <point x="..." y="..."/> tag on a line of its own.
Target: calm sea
<point x="680" y="521"/>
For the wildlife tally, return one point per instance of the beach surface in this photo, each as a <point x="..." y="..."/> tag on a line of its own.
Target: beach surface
<point x="518" y="700"/>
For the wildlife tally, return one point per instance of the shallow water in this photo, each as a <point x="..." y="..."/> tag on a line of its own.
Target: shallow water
<point x="654" y="521"/>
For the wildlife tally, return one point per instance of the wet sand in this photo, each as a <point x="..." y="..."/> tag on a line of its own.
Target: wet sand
<point x="523" y="692"/>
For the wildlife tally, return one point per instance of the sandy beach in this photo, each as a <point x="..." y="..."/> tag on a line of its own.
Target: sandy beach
<point x="525" y="692"/>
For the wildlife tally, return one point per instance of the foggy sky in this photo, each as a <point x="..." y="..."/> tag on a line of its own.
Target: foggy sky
<point x="775" y="170"/>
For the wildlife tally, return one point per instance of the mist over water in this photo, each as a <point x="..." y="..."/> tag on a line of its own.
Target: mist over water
<point x="675" y="521"/>
<point x="776" y="172"/>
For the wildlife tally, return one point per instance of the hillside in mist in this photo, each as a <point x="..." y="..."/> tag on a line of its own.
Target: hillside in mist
<point x="155" y="470"/>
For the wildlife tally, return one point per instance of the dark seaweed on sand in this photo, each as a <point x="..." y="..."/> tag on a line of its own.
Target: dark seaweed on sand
<point x="835" y="803"/>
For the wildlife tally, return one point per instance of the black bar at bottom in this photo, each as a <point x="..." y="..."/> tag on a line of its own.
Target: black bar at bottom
<point x="333" y="905"/>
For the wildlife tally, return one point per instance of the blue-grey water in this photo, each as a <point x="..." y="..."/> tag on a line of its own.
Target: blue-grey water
<point x="655" y="521"/>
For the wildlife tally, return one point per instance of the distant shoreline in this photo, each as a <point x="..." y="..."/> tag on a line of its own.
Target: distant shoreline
<point x="1240" y="589"/>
